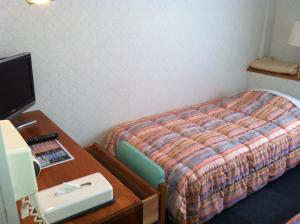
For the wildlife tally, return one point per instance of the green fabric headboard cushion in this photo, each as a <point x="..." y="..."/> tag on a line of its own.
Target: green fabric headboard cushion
<point x="140" y="164"/>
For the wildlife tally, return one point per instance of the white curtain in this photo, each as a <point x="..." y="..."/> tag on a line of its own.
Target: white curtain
<point x="3" y="218"/>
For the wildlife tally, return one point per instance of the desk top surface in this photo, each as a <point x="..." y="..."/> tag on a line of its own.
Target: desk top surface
<point x="83" y="164"/>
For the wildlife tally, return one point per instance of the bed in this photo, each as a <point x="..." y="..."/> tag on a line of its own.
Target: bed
<point x="216" y="153"/>
<point x="294" y="220"/>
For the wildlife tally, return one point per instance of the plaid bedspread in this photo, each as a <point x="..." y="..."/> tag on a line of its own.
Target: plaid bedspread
<point x="216" y="153"/>
<point x="294" y="220"/>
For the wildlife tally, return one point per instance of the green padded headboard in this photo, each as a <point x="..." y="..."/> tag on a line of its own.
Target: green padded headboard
<point x="140" y="164"/>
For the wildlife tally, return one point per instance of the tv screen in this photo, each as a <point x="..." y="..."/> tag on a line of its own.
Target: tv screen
<point x="16" y="85"/>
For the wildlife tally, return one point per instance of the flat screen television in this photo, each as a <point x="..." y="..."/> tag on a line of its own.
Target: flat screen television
<point x="16" y="85"/>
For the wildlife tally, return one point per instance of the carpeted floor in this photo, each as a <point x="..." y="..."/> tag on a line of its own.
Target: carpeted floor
<point x="274" y="204"/>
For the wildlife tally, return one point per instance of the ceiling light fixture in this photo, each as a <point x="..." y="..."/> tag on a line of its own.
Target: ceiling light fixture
<point x="40" y="2"/>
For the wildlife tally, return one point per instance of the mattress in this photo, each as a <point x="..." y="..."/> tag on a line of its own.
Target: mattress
<point x="216" y="153"/>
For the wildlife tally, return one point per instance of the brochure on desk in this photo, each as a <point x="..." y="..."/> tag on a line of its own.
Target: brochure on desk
<point x="50" y="153"/>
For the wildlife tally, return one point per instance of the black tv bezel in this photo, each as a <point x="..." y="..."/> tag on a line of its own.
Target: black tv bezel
<point x="28" y="102"/>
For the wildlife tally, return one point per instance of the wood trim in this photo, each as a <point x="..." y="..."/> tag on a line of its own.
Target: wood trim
<point x="132" y="215"/>
<point x="278" y="75"/>
<point x="162" y="188"/>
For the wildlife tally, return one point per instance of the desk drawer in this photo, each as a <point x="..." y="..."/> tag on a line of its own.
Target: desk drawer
<point x="151" y="209"/>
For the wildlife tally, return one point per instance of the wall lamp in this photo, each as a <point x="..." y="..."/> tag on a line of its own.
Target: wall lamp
<point x="40" y="2"/>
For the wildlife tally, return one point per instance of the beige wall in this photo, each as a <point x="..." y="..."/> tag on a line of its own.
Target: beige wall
<point x="267" y="34"/>
<point x="285" y="13"/>
<point x="99" y="63"/>
<point x="269" y="82"/>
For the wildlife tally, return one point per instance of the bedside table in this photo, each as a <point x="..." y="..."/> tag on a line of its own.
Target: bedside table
<point x="127" y="206"/>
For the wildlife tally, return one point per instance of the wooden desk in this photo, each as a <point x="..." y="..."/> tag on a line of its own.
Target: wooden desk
<point x="126" y="208"/>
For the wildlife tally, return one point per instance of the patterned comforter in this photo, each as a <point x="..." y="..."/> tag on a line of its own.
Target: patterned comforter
<point x="216" y="153"/>
<point x="294" y="220"/>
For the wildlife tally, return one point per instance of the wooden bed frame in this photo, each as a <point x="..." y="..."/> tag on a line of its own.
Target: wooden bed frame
<point x="154" y="200"/>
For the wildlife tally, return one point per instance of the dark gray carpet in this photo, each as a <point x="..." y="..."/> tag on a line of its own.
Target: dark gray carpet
<point x="274" y="204"/>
